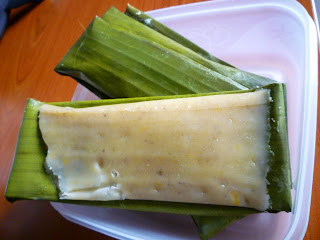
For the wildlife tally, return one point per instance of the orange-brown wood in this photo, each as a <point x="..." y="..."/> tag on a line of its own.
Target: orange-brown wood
<point x="36" y="38"/>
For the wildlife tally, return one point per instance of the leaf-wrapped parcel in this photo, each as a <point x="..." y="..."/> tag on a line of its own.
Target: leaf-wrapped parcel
<point x="120" y="56"/>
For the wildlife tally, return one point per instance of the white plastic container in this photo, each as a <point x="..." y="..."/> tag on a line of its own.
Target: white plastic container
<point x="268" y="37"/>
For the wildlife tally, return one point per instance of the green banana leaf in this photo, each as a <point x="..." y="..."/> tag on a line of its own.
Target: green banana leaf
<point x="159" y="27"/>
<point x="209" y="226"/>
<point x="119" y="63"/>
<point x="247" y="79"/>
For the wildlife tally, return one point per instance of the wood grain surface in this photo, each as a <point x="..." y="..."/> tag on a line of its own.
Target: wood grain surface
<point x="36" y="38"/>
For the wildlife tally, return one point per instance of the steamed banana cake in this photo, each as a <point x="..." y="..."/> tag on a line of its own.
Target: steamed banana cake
<point x="209" y="149"/>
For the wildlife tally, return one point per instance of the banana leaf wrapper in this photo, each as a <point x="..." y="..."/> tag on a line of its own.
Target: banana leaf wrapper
<point x="209" y="226"/>
<point x="159" y="27"/>
<point x="28" y="179"/>
<point x="247" y="79"/>
<point x="117" y="63"/>
<point x="169" y="39"/>
<point x="151" y="60"/>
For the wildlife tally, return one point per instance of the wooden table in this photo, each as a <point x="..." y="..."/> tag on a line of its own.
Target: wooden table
<point x="36" y="39"/>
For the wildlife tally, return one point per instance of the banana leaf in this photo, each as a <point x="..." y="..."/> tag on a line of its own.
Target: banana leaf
<point x="209" y="226"/>
<point x="119" y="63"/>
<point x="247" y="79"/>
<point x="123" y="44"/>
<point x="159" y="27"/>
